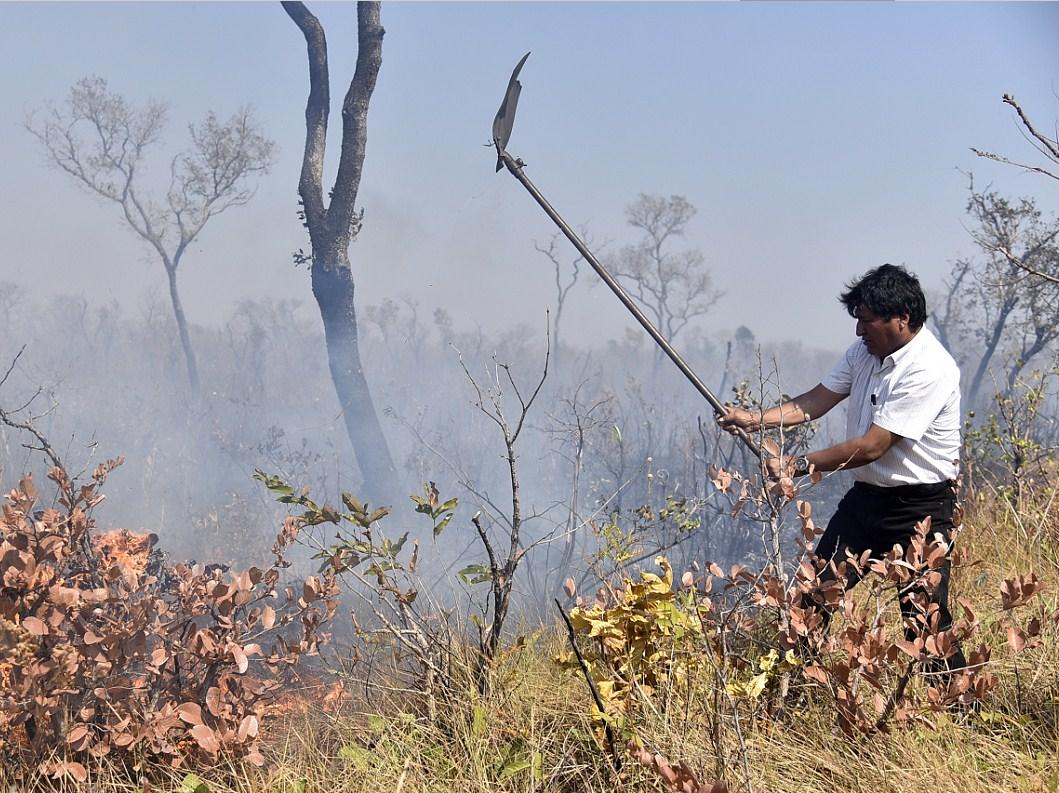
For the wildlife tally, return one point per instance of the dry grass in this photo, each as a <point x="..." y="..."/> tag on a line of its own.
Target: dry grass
<point x="534" y="733"/>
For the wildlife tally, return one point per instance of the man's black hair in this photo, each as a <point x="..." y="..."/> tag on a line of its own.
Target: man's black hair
<point x="888" y="291"/>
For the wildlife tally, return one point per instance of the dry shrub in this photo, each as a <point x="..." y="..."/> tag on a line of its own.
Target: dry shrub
<point x="108" y="651"/>
<point x="731" y="647"/>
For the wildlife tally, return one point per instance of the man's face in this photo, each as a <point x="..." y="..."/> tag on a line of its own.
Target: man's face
<point x="881" y="336"/>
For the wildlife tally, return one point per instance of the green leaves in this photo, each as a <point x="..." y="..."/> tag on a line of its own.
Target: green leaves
<point x="359" y="513"/>
<point x="192" y="783"/>
<point x="430" y="504"/>
<point x="475" y="574"/>
<point x="358" y="756"/>
<point x="358" y="541"/>
<point x="479" y="722"/>
<point x="315" y="514"/>
<point x="284" y="493"/>
<point x="516" y="757"/>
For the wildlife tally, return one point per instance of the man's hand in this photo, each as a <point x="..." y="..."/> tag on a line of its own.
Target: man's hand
<point x="736" y="419"/>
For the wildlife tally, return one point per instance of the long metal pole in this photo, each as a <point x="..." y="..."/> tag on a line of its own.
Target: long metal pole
<point x="515" y="166"/>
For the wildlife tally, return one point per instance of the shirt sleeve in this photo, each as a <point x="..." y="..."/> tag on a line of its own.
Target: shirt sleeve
<point x="840" y="378"/>
<point x="914" y="402"/>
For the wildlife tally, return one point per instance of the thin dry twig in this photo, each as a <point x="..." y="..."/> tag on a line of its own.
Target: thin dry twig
<point x="608" y="730"/>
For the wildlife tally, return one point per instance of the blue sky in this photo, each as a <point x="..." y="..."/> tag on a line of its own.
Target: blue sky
<point x="816" y="140"/>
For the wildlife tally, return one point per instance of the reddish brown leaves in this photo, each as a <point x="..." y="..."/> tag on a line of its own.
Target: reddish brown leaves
<point x="76" y="771"/>
<point x="1016" y="639"/>
<point x="191" y="713"/>
<point x="248" y="727"/>
<point x="862" y="666"/>
<point x="721" y="479"/>
<point x="1020" y="639"/>
<point x="77" y="736"/>
<point x="108" y="659"/>
<point x="206" y="738"/>
<point x="679" y="778"/>
<point x="242" y="663"/>
<point x="569" y="587"/>
<point x="35" y="626"/>
<point x="1019" y="590"/>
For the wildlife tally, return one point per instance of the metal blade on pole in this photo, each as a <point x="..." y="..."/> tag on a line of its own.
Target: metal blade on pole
<point x="502" y="126"/>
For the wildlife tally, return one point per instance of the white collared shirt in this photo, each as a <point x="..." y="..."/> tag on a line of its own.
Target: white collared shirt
<point x="913" y="392"/>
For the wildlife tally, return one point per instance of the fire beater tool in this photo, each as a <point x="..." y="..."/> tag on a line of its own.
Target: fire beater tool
<point x="502" y="126"/>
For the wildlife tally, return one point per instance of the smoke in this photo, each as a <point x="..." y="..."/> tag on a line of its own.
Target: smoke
<point x="612" y="433"/>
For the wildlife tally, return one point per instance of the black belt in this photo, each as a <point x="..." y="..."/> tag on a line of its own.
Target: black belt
<point x="926" y="490"/>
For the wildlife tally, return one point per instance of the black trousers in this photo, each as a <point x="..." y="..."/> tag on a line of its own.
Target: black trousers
<point x="875" y="519"/>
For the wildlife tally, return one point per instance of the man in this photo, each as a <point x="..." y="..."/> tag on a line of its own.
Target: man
<point x="903" y="428"/>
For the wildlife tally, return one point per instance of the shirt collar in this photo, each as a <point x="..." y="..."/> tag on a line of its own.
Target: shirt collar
<point x="914" y="343"/>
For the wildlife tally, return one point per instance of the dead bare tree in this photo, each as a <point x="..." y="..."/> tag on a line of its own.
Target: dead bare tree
<point x="948" y="320"/>
<point x="502" y="562"/>
<point x="674" y="287"/>
<point x="102" y="141"/>
<point x="578" y="419"/>
<point x="565" y="280"/>
<point x="1047" y="147"/>
<point x="333" y="226"/>
<point x="995" y="304"/>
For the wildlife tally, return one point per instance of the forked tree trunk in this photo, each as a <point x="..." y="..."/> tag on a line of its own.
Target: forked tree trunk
<point x="333" y="289"/>
<point x="182" y="330"/>
<point x="987" y="354"/>
<point x="331" y="229"/>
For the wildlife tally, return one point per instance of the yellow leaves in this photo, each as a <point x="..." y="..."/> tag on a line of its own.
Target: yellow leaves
<point x="606" y="690"/>
<point x="652" y="585"/>
<point x="639" y="642"/>
<point x="768" y="662"/>
<point x="565" y="659"/>
<point x="750" y="689"/>
<point x="771" y="666"/>
<point x="771" y="661"/>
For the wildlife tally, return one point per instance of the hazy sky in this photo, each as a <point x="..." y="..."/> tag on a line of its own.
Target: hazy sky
<point x="816" y="140"/>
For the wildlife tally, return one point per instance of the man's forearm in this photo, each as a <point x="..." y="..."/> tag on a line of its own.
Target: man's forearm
<point x="802" y="408"/>
<point x="852" y="453"/>
<point x="790" y="414"/>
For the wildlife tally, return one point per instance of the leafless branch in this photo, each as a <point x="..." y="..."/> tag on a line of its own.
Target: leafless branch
<point x="1020" y="261"/>
<point x="1046" y="146"/>
<point x="11" y="368"/>
<point x="27" y="426"/>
